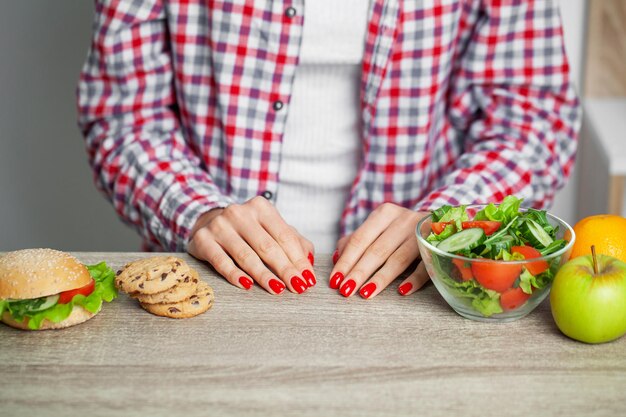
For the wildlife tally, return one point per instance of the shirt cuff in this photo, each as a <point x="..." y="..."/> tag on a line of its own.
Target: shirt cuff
<point x="180" y="208"/>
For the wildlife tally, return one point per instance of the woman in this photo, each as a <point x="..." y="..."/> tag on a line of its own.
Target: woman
<point x="253" y="133"/>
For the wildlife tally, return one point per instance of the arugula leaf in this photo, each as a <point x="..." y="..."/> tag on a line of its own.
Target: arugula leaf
<point x="541" y="218"/>
<point x="104" y="291"/>
<point x="555" y="246"/>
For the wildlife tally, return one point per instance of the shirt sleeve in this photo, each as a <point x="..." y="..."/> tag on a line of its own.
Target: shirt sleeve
<point x="128" y="115"/>
<point x="513" y="99"/>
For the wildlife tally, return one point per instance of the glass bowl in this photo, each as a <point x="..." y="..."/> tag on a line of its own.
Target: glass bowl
<point x="468" y="297"/>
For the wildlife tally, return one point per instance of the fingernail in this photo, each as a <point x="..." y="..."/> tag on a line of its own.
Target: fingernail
<point x="309" y="277"/>
<point x="276" y="286"/>
<point x="405" y="288"/>
<point x="298" y="285"/>
<point x="368" y="290"/>
<point x="246" y="282"/>
<point x="335" y="281"/>
<point x="311" y="258"/>
<point x="347" y="288"/>
<point x="335" y="256"/>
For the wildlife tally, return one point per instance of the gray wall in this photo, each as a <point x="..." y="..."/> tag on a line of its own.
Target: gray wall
<point x="47" y="196"/>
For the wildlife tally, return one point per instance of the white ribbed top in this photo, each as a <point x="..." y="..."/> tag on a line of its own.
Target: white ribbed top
<point x="322" y="143"/>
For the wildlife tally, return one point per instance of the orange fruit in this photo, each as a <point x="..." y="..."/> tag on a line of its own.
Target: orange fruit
<point x="606" y="231"/>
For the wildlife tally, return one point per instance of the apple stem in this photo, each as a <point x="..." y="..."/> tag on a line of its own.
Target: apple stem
<point x="595" y="259"/>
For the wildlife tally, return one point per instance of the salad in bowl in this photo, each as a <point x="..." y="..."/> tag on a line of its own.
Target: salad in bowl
<point x="493" y="262"/>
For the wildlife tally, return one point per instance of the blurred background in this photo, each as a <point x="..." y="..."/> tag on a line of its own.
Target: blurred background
<point x="47" y="196"/>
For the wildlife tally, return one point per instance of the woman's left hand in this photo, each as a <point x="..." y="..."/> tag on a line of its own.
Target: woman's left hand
<point x="378" y="252"/>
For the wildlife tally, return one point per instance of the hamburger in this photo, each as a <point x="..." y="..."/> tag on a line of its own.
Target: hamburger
<point x="48" y="289"/>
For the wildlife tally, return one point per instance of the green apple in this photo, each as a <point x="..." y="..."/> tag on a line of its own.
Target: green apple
<point x="589" y="301"/>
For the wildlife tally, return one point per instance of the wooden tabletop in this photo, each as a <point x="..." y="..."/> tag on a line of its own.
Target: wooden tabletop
<point x="254" y="354"/>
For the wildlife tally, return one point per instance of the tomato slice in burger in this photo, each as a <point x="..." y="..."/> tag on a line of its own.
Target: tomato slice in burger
<point x="66" y="296"/>
<point x="489" y="226"/>
<point x="528" y="252"/>
<point x="496" y="275"/>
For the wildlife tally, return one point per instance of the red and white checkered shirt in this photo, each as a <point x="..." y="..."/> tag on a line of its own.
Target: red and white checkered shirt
<point x="183" y="105"/>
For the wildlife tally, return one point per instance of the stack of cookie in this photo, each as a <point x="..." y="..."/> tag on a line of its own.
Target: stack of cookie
<point x="165" y="286"/>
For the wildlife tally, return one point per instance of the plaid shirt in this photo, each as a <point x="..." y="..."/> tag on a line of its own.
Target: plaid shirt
<point x="183" y="105"/>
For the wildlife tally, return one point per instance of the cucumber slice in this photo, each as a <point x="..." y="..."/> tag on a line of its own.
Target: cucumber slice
<point x="534" y="234"/>
<point x="48" y="302"/>
<point x="466" y="239"/>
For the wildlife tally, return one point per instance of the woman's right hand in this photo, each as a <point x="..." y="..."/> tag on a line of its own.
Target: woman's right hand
<point x="251" y="242"/>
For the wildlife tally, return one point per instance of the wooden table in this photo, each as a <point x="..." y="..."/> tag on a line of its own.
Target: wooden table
<point x="315" y="354"/>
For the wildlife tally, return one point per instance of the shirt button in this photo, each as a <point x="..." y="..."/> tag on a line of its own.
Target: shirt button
<point x="277" y="105"/>
<point x="267" y="194"/>
<point x="290" y="12"/>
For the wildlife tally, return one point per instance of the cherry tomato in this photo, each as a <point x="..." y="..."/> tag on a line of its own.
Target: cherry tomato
<point x="528" y="252"/>
<point x="439" y="227"/>
<point x="513" y="298"/>
<point x="496" y="275"/>
<point x="464" y="268"/>
<point x="66" y="296"/>
<point x="490" y="227"/>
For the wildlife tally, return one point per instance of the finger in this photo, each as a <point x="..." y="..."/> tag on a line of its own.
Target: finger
<point x="414" y="281"/>
<point x="395" y="266"/>
<point x="291" y="242"/>
<point x="356" y="246"/>
<point x="272" y="254"/>
<point x="307" y="246"/>
<point x="207" y="249"/>
<point x="388" y="249"/>
<point x="341" y="243"/>
<point x="243" y="255"/>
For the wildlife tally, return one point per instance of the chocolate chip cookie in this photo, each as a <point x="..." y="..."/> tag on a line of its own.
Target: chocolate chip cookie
<point x="198" y="303"/>
<point x="152" y="275"/>
<point x="179" y="292"/>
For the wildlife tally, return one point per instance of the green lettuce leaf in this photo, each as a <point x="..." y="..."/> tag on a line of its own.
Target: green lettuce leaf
<point x="104" y="290"/>
<point x="504" y="213"/>
<point x="528" y="282"/>
<point x="458" y="215"/>
<point x="448" y="231"/>
<point x="3" y="306"/>
<point x="486" y="302"/>
<point x="437" y="214"/>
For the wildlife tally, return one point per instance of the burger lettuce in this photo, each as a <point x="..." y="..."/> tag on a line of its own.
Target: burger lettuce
<point x="104" y="290"/>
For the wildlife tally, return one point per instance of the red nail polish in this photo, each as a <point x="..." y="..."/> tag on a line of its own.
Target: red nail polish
<point x="246" y="282"/>
<point x="298" y="285"/>
<point x="335" y="256"/>
<point x="335" y="281"/>
<point x="405" y="288"/>
<point x="311" y="258"/>
<point x="309" y="277"/>
<point x="367" y="291"/>
<point x="347" y="288"/>
<point x="276" y="286"/>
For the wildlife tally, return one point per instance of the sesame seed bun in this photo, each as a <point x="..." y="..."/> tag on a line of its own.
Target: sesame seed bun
<point x="33" y="273"/>
<point x="78" y="315"/>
